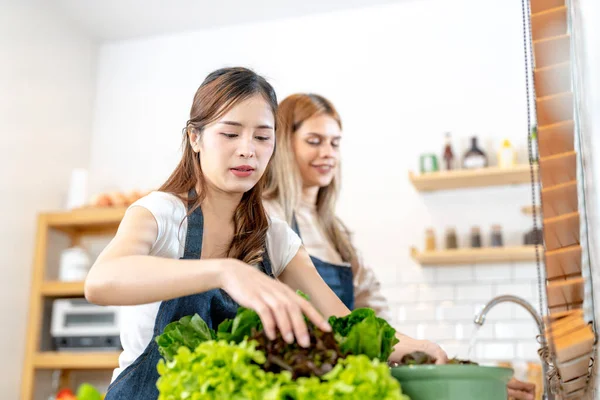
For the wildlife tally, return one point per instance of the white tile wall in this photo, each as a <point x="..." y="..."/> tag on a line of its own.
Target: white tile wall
<point x="439" y="304"/>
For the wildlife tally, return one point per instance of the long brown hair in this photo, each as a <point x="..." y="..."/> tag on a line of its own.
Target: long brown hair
<point x="220" y="91"/>
<point x="284" y="183"/>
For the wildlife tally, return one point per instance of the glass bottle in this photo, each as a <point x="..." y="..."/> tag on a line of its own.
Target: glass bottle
<point x="448" y="153"/>
<point x="475" y="157"/>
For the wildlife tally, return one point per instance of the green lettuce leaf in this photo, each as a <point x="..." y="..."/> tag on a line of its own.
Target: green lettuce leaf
<point x="188" y="332"/>
<point x="361" y="332"/>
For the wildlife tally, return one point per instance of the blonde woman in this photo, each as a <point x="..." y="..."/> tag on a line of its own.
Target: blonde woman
<point x="302" y="189"/>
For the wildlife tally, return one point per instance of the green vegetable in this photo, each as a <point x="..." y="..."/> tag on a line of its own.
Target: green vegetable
<point x="189" y="332"/>
<point x="88" y="392"/>
<point x="240" y="327"/>
<point x="222" y="370"/>
<point x="361" y="332"/>
<point x="217" y="370"/>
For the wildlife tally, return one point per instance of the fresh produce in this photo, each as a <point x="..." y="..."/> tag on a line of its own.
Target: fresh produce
<point x="238" y="360"/>
<point x="316" y="360"/>
<point x="361" y="332"/>
<point x="221" y="370"/>
<point x="88" y="392"/>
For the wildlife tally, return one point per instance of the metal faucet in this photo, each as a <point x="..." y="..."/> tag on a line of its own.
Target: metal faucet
<point x="480" y="319"/>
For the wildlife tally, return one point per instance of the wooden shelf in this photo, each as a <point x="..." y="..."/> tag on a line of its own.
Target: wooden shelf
<point x="66" y="360"/>
<point x="59" y="289"/>
<point x="469" y="178"/>
<point x="561" y="231"/>
<point x="528" y="210"/>
<point x="486" y="255"/>
<point x="88" y="220"/>
<point x="563" y="262"/>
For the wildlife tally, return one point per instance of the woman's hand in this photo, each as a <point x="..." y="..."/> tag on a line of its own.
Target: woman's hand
<point x="521" y="390"/>
<point x="277" y="305"/>
<point x="408" y="345"/>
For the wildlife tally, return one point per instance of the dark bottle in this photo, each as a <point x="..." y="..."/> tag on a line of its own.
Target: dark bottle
<point x="497" y="236"/>
<point x="448" y="153"/>
<point x="475" y="237"/>
<point x="475" y="157"/>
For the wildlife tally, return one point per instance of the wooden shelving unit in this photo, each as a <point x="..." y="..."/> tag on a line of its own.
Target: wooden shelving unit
<point x="465" y="178"/>
<point x="69" y="361"/>
<point x="486" y="255"/>
<point x="528" y="210"/>
<point x="74" y="224"/>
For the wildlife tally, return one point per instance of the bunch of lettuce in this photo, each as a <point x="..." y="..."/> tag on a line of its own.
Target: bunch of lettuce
<point x="226" y="370"/>
<point x="361" y="332"/>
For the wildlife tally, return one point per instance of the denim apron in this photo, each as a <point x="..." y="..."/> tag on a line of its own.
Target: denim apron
<point x="338" y="277"/>
<point x="138" y="381"/>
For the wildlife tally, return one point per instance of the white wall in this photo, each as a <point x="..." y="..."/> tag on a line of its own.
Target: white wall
<point x="400" y="76"/>
<point x="46" y="82"/>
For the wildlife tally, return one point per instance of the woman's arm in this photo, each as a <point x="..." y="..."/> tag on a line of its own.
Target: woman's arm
<point x="125" y="273"/>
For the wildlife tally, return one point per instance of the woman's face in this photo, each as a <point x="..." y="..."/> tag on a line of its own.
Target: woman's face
<point x="235" y="150"/>
<point x="316" y="146"/>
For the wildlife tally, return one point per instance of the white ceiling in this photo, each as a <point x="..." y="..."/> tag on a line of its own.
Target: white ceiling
<point x="125" y="19"/>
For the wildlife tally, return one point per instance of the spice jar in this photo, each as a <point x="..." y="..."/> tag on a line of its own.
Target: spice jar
<point x="429" y="240"/>
<point x="451" y="242"/>
<point x="475" y="237"/>
<point x="496" y="236"/>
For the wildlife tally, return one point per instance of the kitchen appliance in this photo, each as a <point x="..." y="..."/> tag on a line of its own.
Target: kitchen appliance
<point x="80" y="326"/>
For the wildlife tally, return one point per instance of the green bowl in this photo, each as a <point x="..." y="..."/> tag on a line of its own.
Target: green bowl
<point x="453" y="382"/>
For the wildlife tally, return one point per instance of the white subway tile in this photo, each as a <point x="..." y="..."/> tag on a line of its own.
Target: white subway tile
<point x="456" y="349"/>
<point x="401" y="293"/>
<point x="516" y="330"/>
<point x="501" y="311"/>
<point x="494" y="273"/>
<point x="527" y="350"/>
<point x="496" y="351"/>
<point x="432" y="292"/>
<point x="469" y="330"/>
<point x="524" y="290"/>
<point x="416" y="274"/>
<point x="525" y="272"/>
<point x="435" y="332"/>
<point x="521" y="313"/>
<point x="452" y="312"/>
<point x="462" y="273"/>
<point x="420" y="313"/>
<point x="388" y="275"/>
<point x="400" y="314"/>
<point x="474" y="292"/>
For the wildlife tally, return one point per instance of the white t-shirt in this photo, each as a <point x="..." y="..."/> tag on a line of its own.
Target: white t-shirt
<point x="169" y="211"/>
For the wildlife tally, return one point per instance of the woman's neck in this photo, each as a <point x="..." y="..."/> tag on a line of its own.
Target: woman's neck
<point x="220" y="204"/>
<point x="309" y="196"/>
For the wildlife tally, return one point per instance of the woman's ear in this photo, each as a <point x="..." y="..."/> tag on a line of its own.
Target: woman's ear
<point x="194" y="137"/>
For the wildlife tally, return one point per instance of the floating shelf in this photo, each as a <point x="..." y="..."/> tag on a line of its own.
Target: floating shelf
<point x="486" y="255"/>
<point x="58" y="289"/>
<point x="469" y="178"/>
<point x="88" y="220"/>
<point x="66" y="360"/>
<point x="528" y="210"/>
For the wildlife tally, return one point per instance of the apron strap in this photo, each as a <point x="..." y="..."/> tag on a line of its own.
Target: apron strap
<point x="195" y="223"/>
